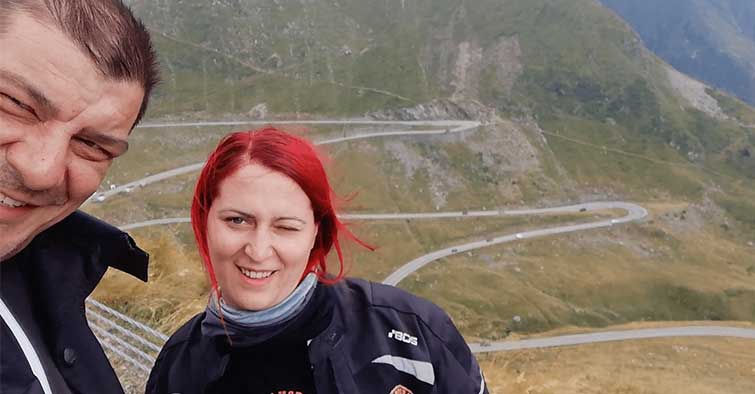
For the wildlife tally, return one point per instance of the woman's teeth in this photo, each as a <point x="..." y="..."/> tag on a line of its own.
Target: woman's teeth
<point x="256" y="274"/>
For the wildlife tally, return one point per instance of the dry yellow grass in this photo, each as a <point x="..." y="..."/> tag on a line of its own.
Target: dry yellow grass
<point x="177" y="287"/>
<point x="657" y="366"/>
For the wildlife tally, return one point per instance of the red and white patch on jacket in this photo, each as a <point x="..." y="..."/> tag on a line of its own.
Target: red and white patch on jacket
<point x="400" y="389"/>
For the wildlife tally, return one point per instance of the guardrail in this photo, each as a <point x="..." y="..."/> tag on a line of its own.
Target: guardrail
<point x="129" y="340"/>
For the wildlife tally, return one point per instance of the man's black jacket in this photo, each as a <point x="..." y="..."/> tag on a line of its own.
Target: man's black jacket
<point x="60" y="268"/>
<point x="380" y="340"/>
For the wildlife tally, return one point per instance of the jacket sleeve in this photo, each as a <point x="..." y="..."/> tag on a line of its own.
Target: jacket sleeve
<point x="157" y="377"/>
<point x="456" y="368"/>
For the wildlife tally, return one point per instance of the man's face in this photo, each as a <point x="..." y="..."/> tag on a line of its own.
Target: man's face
<point x="61" y="125"/>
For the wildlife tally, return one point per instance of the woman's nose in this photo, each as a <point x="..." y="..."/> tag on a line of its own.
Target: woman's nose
<point x="259" y="247"/>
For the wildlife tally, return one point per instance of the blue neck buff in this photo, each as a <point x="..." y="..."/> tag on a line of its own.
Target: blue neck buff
<point x="246" y="328"/>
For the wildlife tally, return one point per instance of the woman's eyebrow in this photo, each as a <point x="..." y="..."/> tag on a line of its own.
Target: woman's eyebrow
<point x="249" y="215"/>
<point x="236" y="211"/>
<point x="302" y="221"/>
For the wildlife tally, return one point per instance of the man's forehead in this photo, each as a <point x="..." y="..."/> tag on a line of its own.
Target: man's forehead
<point x="63" y="83"/>
<point x="39" y="43"/>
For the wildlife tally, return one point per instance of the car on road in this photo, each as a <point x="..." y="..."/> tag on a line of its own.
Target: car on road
<point x="614" y="221"/>
<point x="519" y="236"/>
<point x="454" y="250"/>
<point x="583" y="209"/>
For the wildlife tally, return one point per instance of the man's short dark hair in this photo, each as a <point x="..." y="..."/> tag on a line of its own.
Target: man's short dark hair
<point x="118" y="43"/>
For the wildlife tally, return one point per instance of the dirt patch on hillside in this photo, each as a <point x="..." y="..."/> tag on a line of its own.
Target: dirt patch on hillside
<point x="505" y="148"/>
<point x="505" y="57"/>
<point x="502" y="58"/>
<point x="442" y="179"/>
<point x="466" y="71"/>
<point x="694" y="92"/>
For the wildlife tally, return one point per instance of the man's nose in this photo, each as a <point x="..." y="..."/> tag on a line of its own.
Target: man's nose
<point x="41" y="161"/>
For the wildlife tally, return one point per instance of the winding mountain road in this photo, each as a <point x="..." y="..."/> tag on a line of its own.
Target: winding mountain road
<point x="633" y="213"/>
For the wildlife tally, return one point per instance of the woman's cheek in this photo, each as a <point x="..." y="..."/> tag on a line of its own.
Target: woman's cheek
<point x="230" y="242"/>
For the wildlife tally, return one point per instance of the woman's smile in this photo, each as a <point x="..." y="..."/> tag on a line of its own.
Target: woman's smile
<point x="256" y="278"/>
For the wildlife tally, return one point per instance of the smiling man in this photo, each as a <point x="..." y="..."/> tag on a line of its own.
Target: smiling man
<point x="75" y="77"/>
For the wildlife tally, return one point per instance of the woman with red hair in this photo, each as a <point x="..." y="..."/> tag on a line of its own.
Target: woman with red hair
<point x="277" y="321"/>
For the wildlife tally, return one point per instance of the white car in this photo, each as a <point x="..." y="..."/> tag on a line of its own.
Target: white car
<point x="519" y="236"/>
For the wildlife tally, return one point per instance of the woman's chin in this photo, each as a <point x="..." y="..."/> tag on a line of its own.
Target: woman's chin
<point x="255" y="304"/>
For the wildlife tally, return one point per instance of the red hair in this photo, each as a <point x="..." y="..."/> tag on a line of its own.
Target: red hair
<point x="289" y="155"/>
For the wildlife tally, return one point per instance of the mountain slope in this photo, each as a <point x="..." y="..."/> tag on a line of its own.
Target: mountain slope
<point x="570" y="66"/>
<point x="575" y="108"/>
<point x="713" y="40"/>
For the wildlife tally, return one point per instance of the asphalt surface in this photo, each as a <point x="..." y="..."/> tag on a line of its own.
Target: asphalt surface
<point x="612" y="336"/>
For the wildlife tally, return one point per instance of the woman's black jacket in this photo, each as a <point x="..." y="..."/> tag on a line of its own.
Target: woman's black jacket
<point x="380" y="340"/>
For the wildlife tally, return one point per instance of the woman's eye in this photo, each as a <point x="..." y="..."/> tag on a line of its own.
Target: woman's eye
<point x="236" y="220"/>
<point x="284" y="228"/>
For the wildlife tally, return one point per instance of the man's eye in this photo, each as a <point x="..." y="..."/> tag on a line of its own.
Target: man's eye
<point x="15" y="106"/>
<point x="90" y="150"/>
<point x="88" y="143"/>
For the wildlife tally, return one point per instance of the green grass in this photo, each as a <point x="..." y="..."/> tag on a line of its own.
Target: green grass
<point x="734" y="107"/>
<point x="646" y="172"/>
<point x="742" y="210"/>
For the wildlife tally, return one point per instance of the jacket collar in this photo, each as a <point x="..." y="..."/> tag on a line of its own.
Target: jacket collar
<point x="215" y="352"/>
<point x="61" y="267"/>
<point x="108" y="246"/>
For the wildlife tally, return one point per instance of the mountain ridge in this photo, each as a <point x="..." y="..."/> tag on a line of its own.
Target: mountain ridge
<point x="713" y="40"/>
